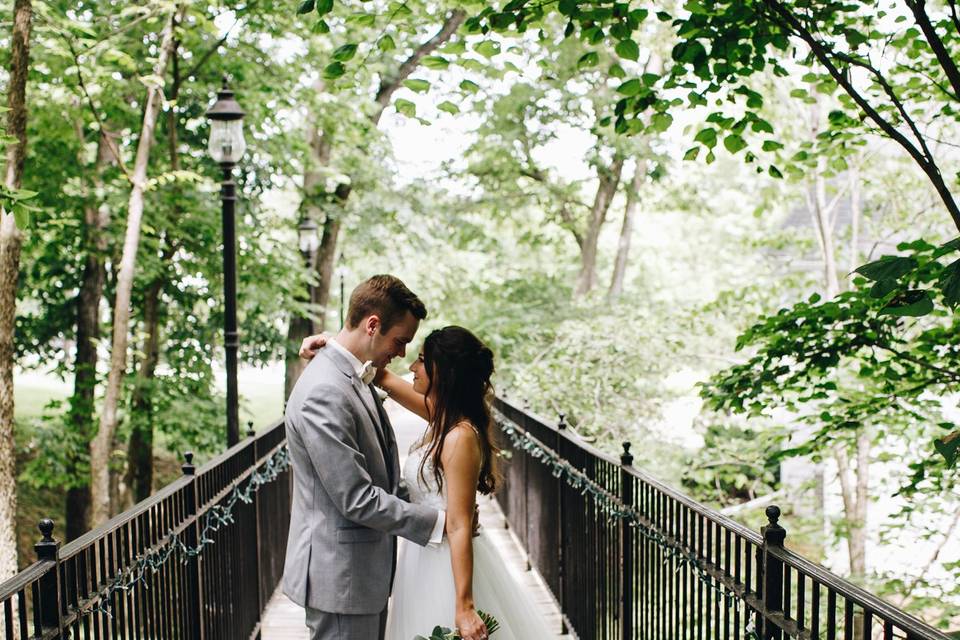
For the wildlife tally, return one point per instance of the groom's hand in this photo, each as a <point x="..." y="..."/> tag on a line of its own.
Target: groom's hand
<point x="311" y="345"/>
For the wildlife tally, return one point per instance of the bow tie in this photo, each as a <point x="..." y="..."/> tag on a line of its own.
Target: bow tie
<point x="368" y="373"/>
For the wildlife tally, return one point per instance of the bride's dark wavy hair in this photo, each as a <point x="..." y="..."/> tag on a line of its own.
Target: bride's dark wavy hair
<point x="459" y="366"/>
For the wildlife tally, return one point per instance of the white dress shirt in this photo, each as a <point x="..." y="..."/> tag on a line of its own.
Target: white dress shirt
<point x="436" y="537"/>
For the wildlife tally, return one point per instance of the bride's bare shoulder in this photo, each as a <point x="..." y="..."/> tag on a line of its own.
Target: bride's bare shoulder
<point x="461" y="440"/>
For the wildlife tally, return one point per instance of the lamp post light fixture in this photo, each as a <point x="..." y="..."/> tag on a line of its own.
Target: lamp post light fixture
<point x="309" y="239"/>
<point x="226" y="147"/>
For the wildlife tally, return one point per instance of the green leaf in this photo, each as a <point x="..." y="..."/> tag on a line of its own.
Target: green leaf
<point x="887" y="268"/>
<point x="333" y="70"/>
<point x="628" y="49"/>
<point x="417" y="84"/>
<point x="568" y="7"/>
<point x="487" y="48"/>
<point x="405" y="107"/>
<point x="449" y="107"/>
<point x="616" y="71"/>
<point x="949" y="447"/>
<point x="21" y="218"/>
<point x="324" y="7"/>
<point x="660" y="122"/>
<point x="345" y="52"/>
<point x="630" y="87"/>
<point x="386" y="43"/>
<point x="913" y="303"/>
<point x="320" y="27"/>
<point x="691" y="153"/>
<point x="706" y="137"/>
<point x="306" y="7"/>
<point x="734" y="143"/>
<point x="435" y="62"/>
<point x="949" y="283"/>
<point x="771" y="145"/>
<point x="587" y="60"/>
<point x="882" y="288"/>
<point x="469" y="86"/>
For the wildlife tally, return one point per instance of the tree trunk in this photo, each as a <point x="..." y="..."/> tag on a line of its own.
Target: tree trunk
<point x="102" y="444"/>
<point x="139" y="477"/>
<point x="10" y="245"/>
<point x="856" y="212"/>
<point x="609" y="179"/>
<point x="319" y="294"/>
<point x="626" y="231"/>
<point x="854" y="486"/>
<point x="82" y="403"/>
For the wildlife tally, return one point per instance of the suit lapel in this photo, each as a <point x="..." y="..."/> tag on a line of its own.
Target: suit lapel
<point x="377" y="429"/>
<point x="391" y="450"/>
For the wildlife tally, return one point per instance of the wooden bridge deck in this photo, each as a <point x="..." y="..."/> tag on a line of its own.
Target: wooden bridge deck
<point x="284" y="620"/>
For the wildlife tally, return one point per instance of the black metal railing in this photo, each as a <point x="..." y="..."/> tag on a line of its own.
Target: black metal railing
<point x="125" y="580"/>
<point x="627" y="556"/>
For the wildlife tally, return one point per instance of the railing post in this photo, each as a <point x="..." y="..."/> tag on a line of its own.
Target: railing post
<point x="255" y="448"/>
<point x="48" y="550"/>
<point x="626" y="546"/>
<point x="561" y="570"/>
<point x="194" y="600"/>
<point x="771" y="571"/>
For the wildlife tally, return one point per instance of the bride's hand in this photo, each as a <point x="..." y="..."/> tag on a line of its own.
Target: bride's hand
<point x="312" y="344"/>
<point x="470" y="626"/>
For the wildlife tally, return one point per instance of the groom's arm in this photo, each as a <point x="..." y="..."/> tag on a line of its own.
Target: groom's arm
<point x="328" y="436"/>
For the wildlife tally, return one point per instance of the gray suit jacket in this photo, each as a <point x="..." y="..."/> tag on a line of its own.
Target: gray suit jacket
<point x="341" y="549"/>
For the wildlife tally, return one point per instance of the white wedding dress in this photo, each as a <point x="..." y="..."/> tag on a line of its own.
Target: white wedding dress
<point x="423" y="589"/>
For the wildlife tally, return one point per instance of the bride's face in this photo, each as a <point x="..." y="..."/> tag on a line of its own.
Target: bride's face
<point x="421" y="381"/>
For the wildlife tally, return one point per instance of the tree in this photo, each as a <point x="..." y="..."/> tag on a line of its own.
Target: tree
<point x="102" y="443"/>
<point x="10" y="244"/>
<point x="327" y="201"/>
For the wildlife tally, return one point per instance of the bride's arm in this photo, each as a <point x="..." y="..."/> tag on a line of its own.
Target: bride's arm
<point x="402" y="391"/>
<point x="461" y="471"/>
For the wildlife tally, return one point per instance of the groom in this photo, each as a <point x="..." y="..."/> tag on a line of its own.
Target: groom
<point x="341" y="551"/>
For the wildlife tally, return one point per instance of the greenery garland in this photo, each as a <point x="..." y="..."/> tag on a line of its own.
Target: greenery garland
<point x="215" y="518"/>
<point x="613" y="508"/>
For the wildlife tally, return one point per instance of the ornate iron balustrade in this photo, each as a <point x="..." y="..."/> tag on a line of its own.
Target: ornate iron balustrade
<point x="75" y="591"/>
<point x="627" y="556"/>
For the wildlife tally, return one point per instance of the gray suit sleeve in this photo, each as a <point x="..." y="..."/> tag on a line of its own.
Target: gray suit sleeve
<point x="335" y="454"/>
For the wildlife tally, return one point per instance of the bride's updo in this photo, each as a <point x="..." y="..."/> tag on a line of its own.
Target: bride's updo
<point x="459" y="366"/>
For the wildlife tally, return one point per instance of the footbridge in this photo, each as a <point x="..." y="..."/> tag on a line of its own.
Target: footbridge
<point x="621" y="555"/>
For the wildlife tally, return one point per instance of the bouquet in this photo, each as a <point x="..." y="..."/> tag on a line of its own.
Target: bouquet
<point x="442" y="633"/>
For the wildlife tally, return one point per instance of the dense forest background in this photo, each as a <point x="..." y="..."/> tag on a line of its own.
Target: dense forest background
<point x="723" y="232"/>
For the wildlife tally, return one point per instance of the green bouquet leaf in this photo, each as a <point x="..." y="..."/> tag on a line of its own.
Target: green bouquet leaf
<point x="443" y="633"/>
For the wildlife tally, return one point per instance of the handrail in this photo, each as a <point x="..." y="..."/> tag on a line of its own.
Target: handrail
<point x="809" y="574"/>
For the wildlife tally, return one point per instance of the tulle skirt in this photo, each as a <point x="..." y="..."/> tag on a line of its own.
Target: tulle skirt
<point x="424" y="595"/>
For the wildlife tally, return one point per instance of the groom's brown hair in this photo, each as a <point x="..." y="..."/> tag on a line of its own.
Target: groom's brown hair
<point x="386" y="297"/>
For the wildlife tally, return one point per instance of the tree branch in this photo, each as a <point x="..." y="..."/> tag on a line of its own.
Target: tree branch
<point x="784" y="17"/>
<point x="943" y="56"/>
<point x="389" y="85"/>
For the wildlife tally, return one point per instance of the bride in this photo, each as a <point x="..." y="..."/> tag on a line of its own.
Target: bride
<point x="453" y="460"/>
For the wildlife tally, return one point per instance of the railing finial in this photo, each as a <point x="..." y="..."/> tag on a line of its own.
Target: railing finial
<point x="626" y="458"/>
<point x="773" y="533"/>
<point x="47" y="547"/>
<point x="250" y="430"/>
<point x="188" y="468"/>
<point x="563" y="421"/>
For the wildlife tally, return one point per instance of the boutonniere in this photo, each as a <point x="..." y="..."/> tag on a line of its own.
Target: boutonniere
<point x="443" y="633"/>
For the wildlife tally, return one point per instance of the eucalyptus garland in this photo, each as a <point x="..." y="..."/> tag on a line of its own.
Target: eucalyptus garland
<point x="215" y="518"/>
<point x="613" y="508"/>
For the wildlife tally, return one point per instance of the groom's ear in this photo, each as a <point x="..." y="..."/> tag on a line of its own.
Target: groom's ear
<point x="372" y="324"/>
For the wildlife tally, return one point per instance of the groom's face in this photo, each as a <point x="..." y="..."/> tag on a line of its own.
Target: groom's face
<point x="387" y="346"/>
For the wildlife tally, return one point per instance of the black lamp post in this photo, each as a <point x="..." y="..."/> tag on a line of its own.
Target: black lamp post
<point x="340" y="271"/>
<point x="226" y="148"/>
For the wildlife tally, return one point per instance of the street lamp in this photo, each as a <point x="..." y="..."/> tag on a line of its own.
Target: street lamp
<point x="340" y="272"/>
<point x="226" y="148"/>
<point x="307" y="231"/>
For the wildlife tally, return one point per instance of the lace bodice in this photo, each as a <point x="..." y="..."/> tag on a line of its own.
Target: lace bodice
<point x="423" y="490"/>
